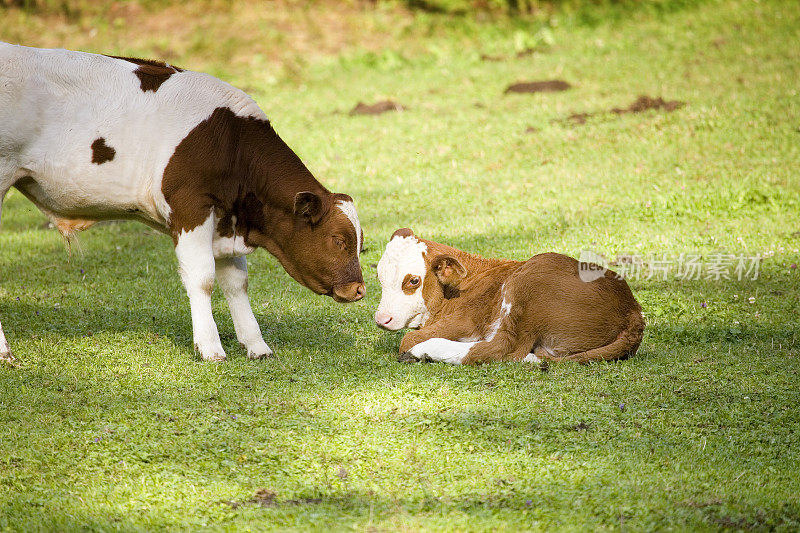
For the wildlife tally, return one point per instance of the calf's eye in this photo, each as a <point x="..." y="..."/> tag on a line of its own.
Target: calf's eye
<point x="414" y="281"/>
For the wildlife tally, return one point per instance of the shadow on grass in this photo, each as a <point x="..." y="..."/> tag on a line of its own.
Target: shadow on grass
<point x="353" y="506"/>
<point x="310" y="328"/>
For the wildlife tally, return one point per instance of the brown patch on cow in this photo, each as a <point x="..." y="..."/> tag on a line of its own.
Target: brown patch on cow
<point x="376" y="109"/>
<point x="239" y="167"/>
<point x="208" y="287"/>
<point x="646" y="103"/>
<point x="151" y="73"/>
<point x="229" y="163"/>
<point x="546" y="86"/>
<point x="411" y="283"/>
<point x="402" y="232"/>
<point x="101" y="152"/>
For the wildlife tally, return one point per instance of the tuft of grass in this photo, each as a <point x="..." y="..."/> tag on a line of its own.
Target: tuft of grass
<point x="111" y="422"/>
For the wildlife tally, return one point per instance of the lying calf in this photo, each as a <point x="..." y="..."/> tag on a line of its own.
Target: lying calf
<point x="474" y="310"/>
<point x="87" y="137"/>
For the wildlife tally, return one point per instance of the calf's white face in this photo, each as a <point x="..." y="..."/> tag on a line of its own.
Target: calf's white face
<point x="401" y="272"/>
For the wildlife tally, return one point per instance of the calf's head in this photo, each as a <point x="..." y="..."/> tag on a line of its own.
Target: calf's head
<point x="319" y="245"/>
<point x="404" y="275"/>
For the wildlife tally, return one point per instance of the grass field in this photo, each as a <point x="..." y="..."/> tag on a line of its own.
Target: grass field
<point x="110" y="422"/>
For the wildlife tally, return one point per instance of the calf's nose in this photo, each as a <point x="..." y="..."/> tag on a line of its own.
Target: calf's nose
<point x="383" y="319"/>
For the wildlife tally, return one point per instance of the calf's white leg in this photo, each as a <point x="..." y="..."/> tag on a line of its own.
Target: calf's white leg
<point x="197" y="266"/>
<point x="443" y="350"/>
<point x="232" y="278"/>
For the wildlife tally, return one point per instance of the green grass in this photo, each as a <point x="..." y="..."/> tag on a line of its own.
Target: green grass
<point x="110" y="422"/>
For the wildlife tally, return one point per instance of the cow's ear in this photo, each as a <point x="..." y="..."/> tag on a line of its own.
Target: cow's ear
<point x="448" y="270"/>
<point x="309" y="206"/>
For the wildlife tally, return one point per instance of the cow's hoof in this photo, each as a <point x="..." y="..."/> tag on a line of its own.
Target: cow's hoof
<point x="214" y="355"/>
<point x="7" y="357"/>
<point x="407" y="357"/>
<point x="260" y="354"/>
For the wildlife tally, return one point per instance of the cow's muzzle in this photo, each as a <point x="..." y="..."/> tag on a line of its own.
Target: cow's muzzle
<point x="349" y="292"/>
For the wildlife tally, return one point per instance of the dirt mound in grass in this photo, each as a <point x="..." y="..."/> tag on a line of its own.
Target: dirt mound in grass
<point x="377" y="108"/>
<point x="545" y="86"/>
<point x="645" y="103"/>
<point x="641" y="104"/>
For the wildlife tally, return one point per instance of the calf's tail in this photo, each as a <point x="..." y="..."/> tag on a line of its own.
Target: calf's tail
<point x="625" y="345"/>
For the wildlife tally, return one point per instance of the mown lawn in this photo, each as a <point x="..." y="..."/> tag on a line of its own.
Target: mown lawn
<point x="110" y="422"/>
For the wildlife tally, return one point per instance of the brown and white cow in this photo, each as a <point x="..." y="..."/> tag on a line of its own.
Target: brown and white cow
<point x="470" y="309"/>
<point x="88" y="137"/>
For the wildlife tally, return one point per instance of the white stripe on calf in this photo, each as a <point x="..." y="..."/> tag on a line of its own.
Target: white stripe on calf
<point x="443" y="350"/>
<point x="349" y="209"/>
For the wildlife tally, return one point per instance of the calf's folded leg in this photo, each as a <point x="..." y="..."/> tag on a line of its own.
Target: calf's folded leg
<point x="444" y="350"/>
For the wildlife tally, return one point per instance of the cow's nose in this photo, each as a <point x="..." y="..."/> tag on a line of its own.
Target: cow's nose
<point x="351" y="292"/>
<point x="383" y="319"/>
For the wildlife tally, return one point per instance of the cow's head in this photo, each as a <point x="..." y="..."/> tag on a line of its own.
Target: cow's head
<point x="319" y="245"/>
<point x="404" y="275"/>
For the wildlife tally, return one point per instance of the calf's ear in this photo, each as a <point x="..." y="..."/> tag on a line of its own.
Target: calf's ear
<point x="309" y="206"/>
<point x="448" y="269"/>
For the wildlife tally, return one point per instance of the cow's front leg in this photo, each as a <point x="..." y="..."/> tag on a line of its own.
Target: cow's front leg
<point x="444" y="328"/>
<point x="232" y="278"/>
<point x="196" y="264"/>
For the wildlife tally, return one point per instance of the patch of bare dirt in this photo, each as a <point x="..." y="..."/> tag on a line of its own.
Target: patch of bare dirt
<point x="646" y="103"/>
<point x="264" y="498"/>
<point x="545" y="86"/>
<point x="268" y="498"/>
<point x="377" y="108"/>
<point x="495" y="58"/>
<point x="641" y="104"/>
<point x="579" y="118"/>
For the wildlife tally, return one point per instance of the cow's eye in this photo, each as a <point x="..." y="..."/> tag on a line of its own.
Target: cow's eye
<point x="339" y="242"/>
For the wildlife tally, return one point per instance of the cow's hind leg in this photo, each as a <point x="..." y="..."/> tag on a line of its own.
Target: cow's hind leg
<point x="5" y="350"/>
<point x="196" y="263"/>
<point x="232" y="278"/>
<point x="505" y="346"/>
